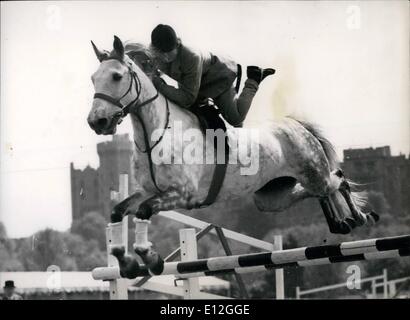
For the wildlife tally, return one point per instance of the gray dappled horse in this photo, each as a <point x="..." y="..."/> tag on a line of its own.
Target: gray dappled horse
<point x="294" y="160"/>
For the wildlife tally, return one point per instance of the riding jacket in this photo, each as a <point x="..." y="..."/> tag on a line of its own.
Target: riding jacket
<point x="199" y="76"/>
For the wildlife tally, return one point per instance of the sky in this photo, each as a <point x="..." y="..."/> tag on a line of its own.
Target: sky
<point x="343" y="65"/>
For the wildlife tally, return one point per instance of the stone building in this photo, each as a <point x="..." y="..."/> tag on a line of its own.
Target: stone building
<point x="90" y="188"/>
<point x="382" y="172"/>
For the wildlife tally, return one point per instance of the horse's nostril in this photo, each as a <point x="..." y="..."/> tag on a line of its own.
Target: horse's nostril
<point x="102" y="122"/>
<point x="91" y="124"/>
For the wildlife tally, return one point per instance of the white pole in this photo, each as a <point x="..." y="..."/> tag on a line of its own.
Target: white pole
<point x="392" y="289"/>
<point x="374" y="290"/>
<point x="297" y="293"/>
<point x="117" y="235"/>
<point x="123" y="190"/>
<point x="385" y="287"/>
<point x="189" y="251"/>
<point x="279" y="277"/>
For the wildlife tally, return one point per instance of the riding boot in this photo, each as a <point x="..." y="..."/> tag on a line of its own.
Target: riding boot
<point x="234" y="108"/>
<point x="258" y="74"/>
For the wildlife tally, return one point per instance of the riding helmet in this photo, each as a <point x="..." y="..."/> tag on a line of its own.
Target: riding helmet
<point x="164" y="38"/>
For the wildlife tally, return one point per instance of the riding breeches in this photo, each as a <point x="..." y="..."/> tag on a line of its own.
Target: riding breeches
<point x="234" y="107"/>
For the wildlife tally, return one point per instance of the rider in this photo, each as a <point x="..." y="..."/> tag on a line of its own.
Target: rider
<point x="201" y="76"/>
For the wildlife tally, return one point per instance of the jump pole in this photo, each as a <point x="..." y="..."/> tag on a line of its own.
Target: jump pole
<point x="116" y="236"/>
<point x="189" y="251"/>
<point x="117" y="233"/>
<point x="279" y="276"/>
<point x="380" y="248"/>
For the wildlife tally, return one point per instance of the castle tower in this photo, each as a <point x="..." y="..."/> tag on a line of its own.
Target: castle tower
<point x="84" y="191"/>
<point x="115" y="159"/>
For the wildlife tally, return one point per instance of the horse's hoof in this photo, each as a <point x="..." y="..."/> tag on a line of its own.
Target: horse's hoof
<point x="118" y="252"/>
<point x="373" y="215"/>
<point x="129" y="266"/>
<point x="130" y="269"/>
<point x="361" y="221"/>
<point x="116" y="217"/>
<point x="344" y="228"/>
<point x="351" y="222"/>
<point x="117" y="213"/>
<point x="152" y="260"/>
<point x="158" y="266"/>
<point x="144" y="212"/>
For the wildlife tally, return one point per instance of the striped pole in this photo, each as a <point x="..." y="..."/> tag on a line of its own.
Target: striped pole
<point x="392" y="247"/>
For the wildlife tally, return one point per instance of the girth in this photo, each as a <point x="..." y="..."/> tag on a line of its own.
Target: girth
<point x="208" y="116"/>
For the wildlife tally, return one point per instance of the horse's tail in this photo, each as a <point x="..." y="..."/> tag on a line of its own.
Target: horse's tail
<point x="359" y="198"/>
<point x="324" y="142"/>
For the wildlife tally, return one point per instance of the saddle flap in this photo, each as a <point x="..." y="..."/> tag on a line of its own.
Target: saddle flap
<point x="208" y="115"/>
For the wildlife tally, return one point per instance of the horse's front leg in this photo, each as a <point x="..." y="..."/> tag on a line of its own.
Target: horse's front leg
<point x="168" y="200"/>
<point x="127" y="206"/>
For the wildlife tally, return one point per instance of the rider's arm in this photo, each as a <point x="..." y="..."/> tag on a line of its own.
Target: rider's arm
<point x="188" y="86"/>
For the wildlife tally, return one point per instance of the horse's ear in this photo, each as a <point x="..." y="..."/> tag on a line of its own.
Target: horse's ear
<point x="100" y="54"/>
<point x="118" y="47"/>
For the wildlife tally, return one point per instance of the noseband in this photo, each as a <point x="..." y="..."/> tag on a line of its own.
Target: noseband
<point x="126" y="109"/>
<point x="117" y="102"/>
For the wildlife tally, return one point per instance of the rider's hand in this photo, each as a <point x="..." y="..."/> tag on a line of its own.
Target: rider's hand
<point x="158" y="82"/>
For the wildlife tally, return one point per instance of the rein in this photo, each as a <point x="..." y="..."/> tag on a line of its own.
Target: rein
<point x="125" y="110"/>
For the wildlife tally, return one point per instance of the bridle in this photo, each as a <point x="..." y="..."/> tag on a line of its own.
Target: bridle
<point x="117" y="102"/>
<point x="125" y="110"/>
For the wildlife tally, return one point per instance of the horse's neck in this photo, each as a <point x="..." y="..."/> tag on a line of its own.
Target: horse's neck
<point x="153" y="115"/>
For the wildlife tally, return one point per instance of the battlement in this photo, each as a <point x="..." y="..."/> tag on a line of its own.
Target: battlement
<point x="117" y="144"/>
<point x="380" y="152"/>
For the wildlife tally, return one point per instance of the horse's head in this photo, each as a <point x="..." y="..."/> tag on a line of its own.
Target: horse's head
<point x="117" y="83"/>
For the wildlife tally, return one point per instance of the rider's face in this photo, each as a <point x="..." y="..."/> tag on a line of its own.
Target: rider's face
<point x="167" y="57"/>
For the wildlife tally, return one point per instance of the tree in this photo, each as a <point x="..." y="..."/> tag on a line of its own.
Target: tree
<point x="91" y="227"/>
<point x="378" y="202"/>
<point x="3" y="233"/>
<point x="8" y="259"/>
<point x="45" y="248"/>
<point x="86" y="254"/>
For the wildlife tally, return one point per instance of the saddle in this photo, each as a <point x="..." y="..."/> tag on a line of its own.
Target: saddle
<point x="208" y="115"/>
<point x="209" y="118"/>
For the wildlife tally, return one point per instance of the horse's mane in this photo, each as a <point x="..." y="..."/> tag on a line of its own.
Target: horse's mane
<point x="135" y="48"/>
<point x="142" y="55"/>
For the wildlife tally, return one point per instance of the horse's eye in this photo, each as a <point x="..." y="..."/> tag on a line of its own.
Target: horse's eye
<point x="116" y="77"/>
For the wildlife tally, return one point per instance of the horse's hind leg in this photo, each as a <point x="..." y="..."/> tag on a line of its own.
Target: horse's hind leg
<point x="360" y="217"/>
<point x="323" y="184"/>
<point x="336" y="223"/>
<point x="342" y="208"/>
<point x="283" y="192"/>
